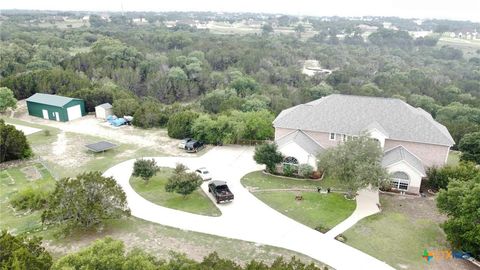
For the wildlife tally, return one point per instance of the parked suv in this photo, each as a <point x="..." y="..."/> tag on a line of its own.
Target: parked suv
<point x="183" y="143"/>
<point x="194" y="146"/>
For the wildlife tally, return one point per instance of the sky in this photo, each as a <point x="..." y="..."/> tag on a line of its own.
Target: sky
<point x="439" y="9"/>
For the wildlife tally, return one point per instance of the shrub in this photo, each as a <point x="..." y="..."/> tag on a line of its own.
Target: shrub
<point x="180" y="124"/>
<point x="438" y="178"/>
<point x="13" y="143"/>
<point x="267" y="154"/>
<point x="305" y="170"/>
<point x="385" y="186"/>
<point x="46" y="132"/>
<point x="316" y="175"/>
<point x="145" y="168"/>
<point x="289" y="170"/>
<point x="29" y="198"/>
<point x="470" y="147"/>
<point x="183" y="182"/>
<point x="23" y="252"/>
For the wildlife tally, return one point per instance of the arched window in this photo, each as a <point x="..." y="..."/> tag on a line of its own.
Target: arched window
<point x="400" y="180"/>
<point x="291" y="160"/>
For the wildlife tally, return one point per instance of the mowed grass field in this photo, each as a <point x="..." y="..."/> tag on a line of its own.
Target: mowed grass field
<point x="314" y="210"/>
<point x="154" y="191"/>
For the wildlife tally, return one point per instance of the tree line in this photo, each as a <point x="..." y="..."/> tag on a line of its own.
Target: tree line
<point x="137" y="68"/>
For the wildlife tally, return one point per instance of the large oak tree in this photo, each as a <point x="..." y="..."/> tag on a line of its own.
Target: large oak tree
<point x="87" y="200"/>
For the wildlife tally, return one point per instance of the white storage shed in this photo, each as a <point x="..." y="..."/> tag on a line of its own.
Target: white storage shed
<point x="103" y="110"/>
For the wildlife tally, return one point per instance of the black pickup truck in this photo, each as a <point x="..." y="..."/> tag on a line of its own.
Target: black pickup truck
<point x="220" y="191"/>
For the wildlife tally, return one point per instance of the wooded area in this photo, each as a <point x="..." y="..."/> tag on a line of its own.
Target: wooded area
<point x="234" y="85"/>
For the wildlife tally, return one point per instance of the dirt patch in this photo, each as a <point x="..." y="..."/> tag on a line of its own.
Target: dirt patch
<point x="67" y="151"/>
<point x="416" y="208"/>
<point x="31" y="173"/>
<point x="60" y="144"/>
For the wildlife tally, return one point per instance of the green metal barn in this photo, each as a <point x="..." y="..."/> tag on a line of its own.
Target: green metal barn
<point x="55" y="107"/>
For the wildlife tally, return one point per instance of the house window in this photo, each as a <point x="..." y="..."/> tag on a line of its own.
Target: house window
<point x="332" y="136"/>
<point x="400" y="181"/>
<point x="344" y="137"/>
<point x="291" y="160"/>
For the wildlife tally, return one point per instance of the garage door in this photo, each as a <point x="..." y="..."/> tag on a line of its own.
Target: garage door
<point x="74" y="112"/>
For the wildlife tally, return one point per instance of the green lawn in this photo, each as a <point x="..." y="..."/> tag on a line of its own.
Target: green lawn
<point x="315" y="209"/>
<point x="154" y="191"/>
<point x="399" y="234"/>
<point x="13" y="180"/>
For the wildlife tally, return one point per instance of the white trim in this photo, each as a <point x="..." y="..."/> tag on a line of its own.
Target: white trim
<point x="379" y="131"/>
<point x="400" y="181"/>
<point x="408" y="164"/>
<point x="334" y="136"/>
<point x="446" y="157"/>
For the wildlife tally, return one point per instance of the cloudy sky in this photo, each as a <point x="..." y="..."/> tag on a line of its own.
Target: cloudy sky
<point x="442" y="9"/>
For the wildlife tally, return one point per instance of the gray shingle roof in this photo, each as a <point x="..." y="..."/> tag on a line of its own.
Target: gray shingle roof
<point x="105" y="105"/>
<point x="353" y="115"/>
<point x="303" y="140"/>
<point x="399" y="153"/>
<point x="53" y="100"/>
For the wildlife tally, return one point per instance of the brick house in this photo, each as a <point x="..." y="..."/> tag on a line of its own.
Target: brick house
<point x="411" y="139"/>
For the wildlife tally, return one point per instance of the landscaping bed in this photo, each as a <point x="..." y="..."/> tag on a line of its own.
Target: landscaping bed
<point x="314" y="209"/>
<point x="154" y="191"/>
<point x="260" y="180"/>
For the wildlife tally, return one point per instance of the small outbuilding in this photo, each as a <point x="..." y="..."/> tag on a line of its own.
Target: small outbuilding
<point x="54" y="107"/>
<point x="103" y="110"/>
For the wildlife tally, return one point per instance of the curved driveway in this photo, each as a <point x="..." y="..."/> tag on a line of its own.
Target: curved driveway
<point x="246" y="218"/>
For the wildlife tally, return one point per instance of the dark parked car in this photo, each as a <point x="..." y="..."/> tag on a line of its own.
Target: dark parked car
<point x="220" y="191"/>
<point x="194" y="146"/>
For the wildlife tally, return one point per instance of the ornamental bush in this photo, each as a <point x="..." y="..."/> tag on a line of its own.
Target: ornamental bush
<point x="305" y="170"/>
<point x="29" y="198"/>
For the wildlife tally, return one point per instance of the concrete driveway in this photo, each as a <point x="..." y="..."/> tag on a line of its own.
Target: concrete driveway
<point x="246" y="218"/>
